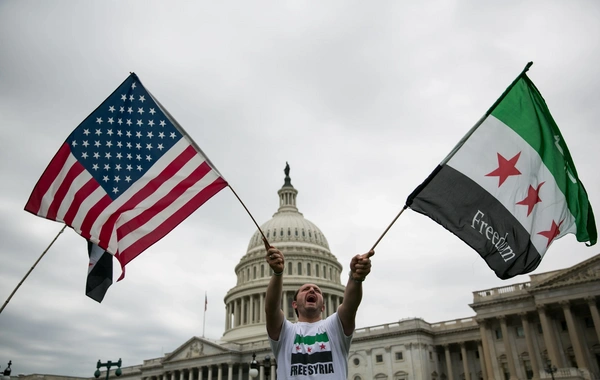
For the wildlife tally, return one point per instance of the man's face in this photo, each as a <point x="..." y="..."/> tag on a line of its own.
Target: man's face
<point x="309" y="300"/>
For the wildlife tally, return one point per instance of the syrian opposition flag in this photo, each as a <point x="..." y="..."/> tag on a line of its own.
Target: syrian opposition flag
<point x="100" y="272"/>
<point x="509" y="188"/>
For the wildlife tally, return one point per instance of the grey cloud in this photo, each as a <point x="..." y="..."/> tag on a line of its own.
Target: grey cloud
<point x="362" y="100"/>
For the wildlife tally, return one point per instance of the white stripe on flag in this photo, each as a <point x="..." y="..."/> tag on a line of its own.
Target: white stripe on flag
<point x="158" y="219"/>
<point x="81" y="180"/>
<point x="494" y="137"/>
<point x="154" y="222"/>
<point x="49" y="196"/>
<point x="85" y="207"/>
<point x="151" y="174"/>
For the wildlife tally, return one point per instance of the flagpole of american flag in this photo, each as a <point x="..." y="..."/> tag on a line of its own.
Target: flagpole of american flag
<point x="178" y="126"/>
<point x="95" y="187"/>
<point x="251" y="217"/>
<point x="31" y="269"/>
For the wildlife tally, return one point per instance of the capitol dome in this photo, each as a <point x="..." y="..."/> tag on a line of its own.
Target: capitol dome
<point x="307" y="260"/>
<point x="288" y="225"/>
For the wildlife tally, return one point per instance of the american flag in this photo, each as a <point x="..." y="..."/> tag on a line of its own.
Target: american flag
<point x="126" y="176"/>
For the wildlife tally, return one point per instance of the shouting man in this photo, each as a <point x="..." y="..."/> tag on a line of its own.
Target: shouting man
<point x="313" y="348"/>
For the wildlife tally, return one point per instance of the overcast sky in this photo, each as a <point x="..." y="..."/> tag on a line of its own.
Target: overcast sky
<point x="363" y="99"/>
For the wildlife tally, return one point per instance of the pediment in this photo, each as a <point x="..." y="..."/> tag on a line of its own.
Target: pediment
<point x="586" y="271"/>
<point x="194" y="348"/>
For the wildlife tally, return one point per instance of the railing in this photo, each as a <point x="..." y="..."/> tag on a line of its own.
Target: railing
<point x="403" y="324"/>
<point x="415" y="323"/>
<point x="149" y="362"/>
<point x="567" y="373"/>
<point x="454" y="324"/>
<point x="489" y="294"/>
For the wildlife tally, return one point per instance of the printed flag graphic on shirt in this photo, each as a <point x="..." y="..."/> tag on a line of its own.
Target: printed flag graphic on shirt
<point x="312" y="349"/>
<point x="100" y="272"/>
<point x="510" y="188"/>
<point x="126" y="176"/>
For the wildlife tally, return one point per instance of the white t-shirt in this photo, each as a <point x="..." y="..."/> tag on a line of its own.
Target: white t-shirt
<point x="316" y="350"/>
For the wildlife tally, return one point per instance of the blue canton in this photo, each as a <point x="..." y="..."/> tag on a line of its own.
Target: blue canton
<point x="123" y="138"/>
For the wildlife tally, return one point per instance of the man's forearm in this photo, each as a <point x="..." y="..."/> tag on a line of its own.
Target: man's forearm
<point x="274" y="290"/>
<point x="273" y="296"/>
<point x="273" y="307"/>
<point x="348" y="308"/>
<point x="352" y="296"/>
<point x="360" y="267"/>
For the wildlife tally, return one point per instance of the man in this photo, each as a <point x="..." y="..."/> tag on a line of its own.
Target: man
<point x="313" y="348"/>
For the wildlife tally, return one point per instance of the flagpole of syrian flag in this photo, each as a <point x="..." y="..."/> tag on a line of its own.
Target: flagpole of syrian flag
<point x="509" y="188"/>
<point x="125" y="177"/>
<point x="456" y="148"/>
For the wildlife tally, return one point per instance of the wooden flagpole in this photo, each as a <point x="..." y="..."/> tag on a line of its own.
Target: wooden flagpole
<point x="31" y="269"/>
<point x="65" y="226"/>
<point x="460" y="144"/>
<point x="213" y="167"/>
<point x="388" y="228"/>
<point x="267" y="245"/>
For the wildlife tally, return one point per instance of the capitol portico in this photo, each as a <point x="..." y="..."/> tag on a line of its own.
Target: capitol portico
<point x="517" y="331"/>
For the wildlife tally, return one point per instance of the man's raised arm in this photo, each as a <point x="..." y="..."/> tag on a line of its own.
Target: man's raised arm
<point x="360" y="267"/>
<point x="274" y="291"/>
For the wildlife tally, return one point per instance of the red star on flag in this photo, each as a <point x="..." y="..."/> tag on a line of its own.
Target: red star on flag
<point x="297" y="348"/>
<point x="552" y="232"/>
<point x="309" y="349"/>
<point x="322" y="346"/>
<point x="532" y="198"/>
<point x="506" y="168"/>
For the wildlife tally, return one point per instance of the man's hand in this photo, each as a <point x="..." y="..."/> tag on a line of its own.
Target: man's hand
<point x="275" y="260"/>
<point x="360" y="266"/>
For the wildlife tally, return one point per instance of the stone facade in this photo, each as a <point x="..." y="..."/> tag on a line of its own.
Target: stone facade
<point x="517" y="330"/>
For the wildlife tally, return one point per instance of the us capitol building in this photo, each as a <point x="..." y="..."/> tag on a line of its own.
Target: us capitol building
<point x="517" y="332"/>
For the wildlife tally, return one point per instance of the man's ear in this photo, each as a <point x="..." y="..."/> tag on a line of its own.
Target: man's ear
<point x="295" y="305"/>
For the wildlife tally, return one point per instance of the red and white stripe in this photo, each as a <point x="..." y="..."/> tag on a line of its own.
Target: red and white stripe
<point x="174" y="187"/>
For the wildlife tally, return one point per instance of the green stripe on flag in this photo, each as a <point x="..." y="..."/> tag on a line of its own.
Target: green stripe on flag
<point x="311" y="339"/>
<point x="525" y="111"/>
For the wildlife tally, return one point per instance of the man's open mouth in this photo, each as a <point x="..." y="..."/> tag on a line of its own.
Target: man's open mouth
<point x="311" y="298"/>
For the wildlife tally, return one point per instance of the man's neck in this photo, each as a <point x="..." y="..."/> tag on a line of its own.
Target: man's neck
<point x="309" y="318"/>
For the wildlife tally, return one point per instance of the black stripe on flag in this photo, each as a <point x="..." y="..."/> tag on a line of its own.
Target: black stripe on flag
<point x="464" y="208"/>
<point x="317" y="357"/>
<point x="100" y="272"/>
